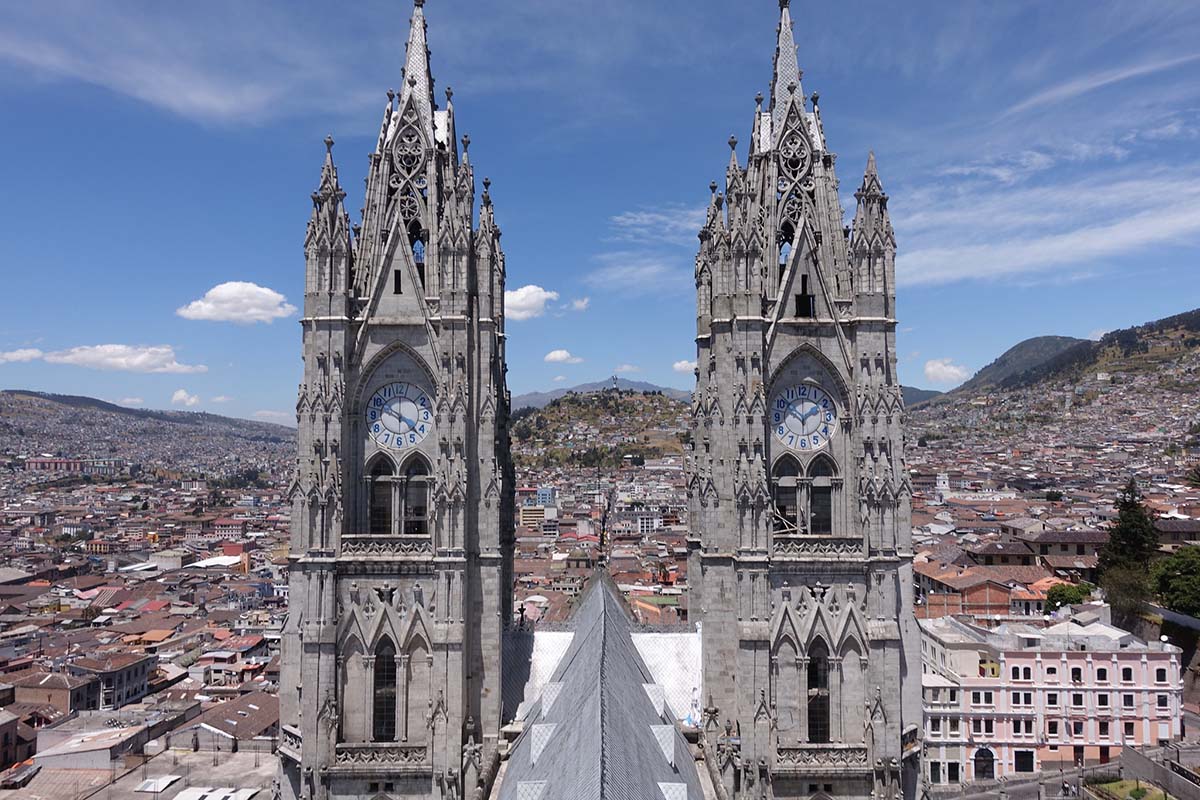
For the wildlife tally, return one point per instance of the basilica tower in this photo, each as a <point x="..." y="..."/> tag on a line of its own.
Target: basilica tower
<point x="402" y="497"/>
<point x="801" y="559"/>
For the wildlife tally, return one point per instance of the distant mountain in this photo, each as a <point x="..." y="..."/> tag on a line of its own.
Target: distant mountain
<point x="913" y="395"/>
<point x="175" y="417"/>
<point x="1139" y="349"/>
<point x="542" y="399"/>
<point x="1019" y="359"/>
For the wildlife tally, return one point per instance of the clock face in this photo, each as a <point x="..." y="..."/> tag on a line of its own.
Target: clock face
<point x="804" y="417"/>
<point x="399" y="415"/>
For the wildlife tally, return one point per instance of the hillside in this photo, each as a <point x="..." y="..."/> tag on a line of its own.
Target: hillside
<point x="913" y="395"/>
<point x="541" y="399"/>
<point x="83" y="427"/>
<point x="1141" y="349"/>
<point x="599" y="429"/>
<point x="1020" y="359"/>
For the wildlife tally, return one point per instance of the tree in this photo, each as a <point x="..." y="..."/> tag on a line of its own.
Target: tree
<point x="1053" y="496"/>
<point x="1067" y="594"/>
<point x="1132" y="540"/>
<point x="1193" y="477"/>
<point x="1177" y="581"/>
<point x="1126" y="588"/>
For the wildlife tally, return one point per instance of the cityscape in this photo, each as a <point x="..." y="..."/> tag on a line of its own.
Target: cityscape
<point x="779" y="571"/>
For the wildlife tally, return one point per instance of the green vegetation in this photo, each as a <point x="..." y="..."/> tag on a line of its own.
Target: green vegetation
<point x="1176" y="578"/>
<point x="1131" y="546"/>
<point x="1193" y="476"/>
<point x="1068" y="594"/>
<point x="1133" y="790"/>
<point x="1053" y="496"/>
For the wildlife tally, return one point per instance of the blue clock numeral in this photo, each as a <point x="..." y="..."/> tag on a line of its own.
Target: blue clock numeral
<point x="804" y="444"/>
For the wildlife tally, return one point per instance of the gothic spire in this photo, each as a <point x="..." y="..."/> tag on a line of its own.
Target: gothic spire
<point x="329" y="220"/>
<point x="418" y="81"/>
<point x="786" y="70"/>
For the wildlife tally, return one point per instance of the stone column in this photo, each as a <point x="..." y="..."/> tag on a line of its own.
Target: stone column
<point x="363" y="523"/>
<point x="402" y="697"/>
<point x="401" y="663"/>
<point x="397" y="507"/>
<point x="368" y="686"/>
<point x="837" y="733"/>
<point x="802" y="672"/>
<point x="339" y="691"/>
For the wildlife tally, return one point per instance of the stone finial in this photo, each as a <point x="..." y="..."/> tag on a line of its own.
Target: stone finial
<point x="449" y="93"/>
<point x="816" y="98"/>
<point x="712" y="187"/>
<point x="418" y="3"/>
<point x="328" y="144"/>
<point x="412" y="80"/>
<point x="791" y="87"/>
<point x="758" y="98"/>
<point x="784" y="4"/>
<point x="720" y="200"/>
<point x="732" y="142"/>
<point x="391" y="95"/>
<point x="487" y="183"/>
<point x="466" y="142"/>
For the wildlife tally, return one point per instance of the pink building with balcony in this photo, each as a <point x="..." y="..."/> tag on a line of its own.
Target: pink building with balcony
<point x="1019" y="698"/>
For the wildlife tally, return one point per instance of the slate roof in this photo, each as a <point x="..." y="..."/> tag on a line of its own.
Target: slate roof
<point x="601" y="727"/>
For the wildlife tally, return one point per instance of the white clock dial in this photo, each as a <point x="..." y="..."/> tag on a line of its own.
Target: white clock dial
<point x="399" y="415"/>
<point x="804" y="417"/>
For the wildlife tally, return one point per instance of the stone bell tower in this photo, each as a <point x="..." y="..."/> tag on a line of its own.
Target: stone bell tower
<point x="401" y="529"/>
<point x="801" y="558"/>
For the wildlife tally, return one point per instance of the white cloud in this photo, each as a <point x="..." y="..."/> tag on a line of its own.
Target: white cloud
<point x="581" y="303"/>
<point x="527" y="302"/>
<point x="221" y="398"/>
<point x="627" y="368"/>
<point x="130" y="401"/>
<point x="20" y="356"/>
<point x="182" y="398"/>
<point x="633" y="273"/>
<point x="562" y="357"/>
<point x="559" y="378"/>
<point x="678" y="225"/>
<point x="125" y="358"/>
<point x="1086" y="83"/>
<point x="971" y="232"/>
<point x="944" y="371"/>
<point x="282" y="417"/>
<point x="684" y="366"/>
<point x="238" y="301"/>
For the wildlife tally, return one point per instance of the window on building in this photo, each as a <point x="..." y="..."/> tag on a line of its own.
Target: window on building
<point x="976" y="697"/>
<point x="987" y="698"/>
<point x="1160" y="675"/>
<point x="380" y="511"/>
<point x="952" y="772"/>
<point x="1016" y="673"/>
<point x="977" y="726"/>
<point x="384" y="711"/>
<point x="805" y="305"/>
<point x="935" y="772"/>
<point x="985" y="765"/>
<point x="954" y="727"/>
<point x="1016" y="698"/>
<point x="1024" y="761"/>
<point x="1163" y="701"/>
<point x="1026" y="674"/>
<point x="1051" y="698"/>
<point x="820" y="504"/>
<point x="397" y="284"/>
<point x="1077" y="699"/>
<point x="1051" y="673"/>
<point x="1127" y="700"/>
<point x="954" y="695"/>
<point x="1103" y="729"/>
<point x="818" y="693"/>
<point x="1052" y="728"/>
<point x="1102" y="674"/>
<point x="989" y="726"/>
<point x="1076" y="674"/>
<point x="1129" y="730"/>
<point x="416" y="498"/>
<point x="1102" y="700"/>
<point x="1127" y="674"/>
<point x="1077" y="727"/>
<point x="786" y="478"/>
<point x="935" y="726"/>
<point x="1028" y="698"/>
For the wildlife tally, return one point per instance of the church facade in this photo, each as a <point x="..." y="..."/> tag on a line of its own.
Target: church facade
<point x="800" y="565"/>
<point x="401" y="527"/>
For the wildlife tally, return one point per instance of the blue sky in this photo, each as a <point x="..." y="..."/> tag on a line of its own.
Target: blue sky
<point x="1043" y="161"/>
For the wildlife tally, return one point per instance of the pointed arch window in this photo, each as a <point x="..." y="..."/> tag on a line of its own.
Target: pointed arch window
<point x="380" y="486"/>
<point x="786" y="488"/>
<point x="820" y="496"/>
<point x="818" y="693"/>
<point x="416" y="238"/>
<point x="416" y="498"/>
<point x="384" y="711"/>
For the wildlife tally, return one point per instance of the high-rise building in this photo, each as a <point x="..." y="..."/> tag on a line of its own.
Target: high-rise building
<point x="402" y="499"/>
<point x="801" y="562"/>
